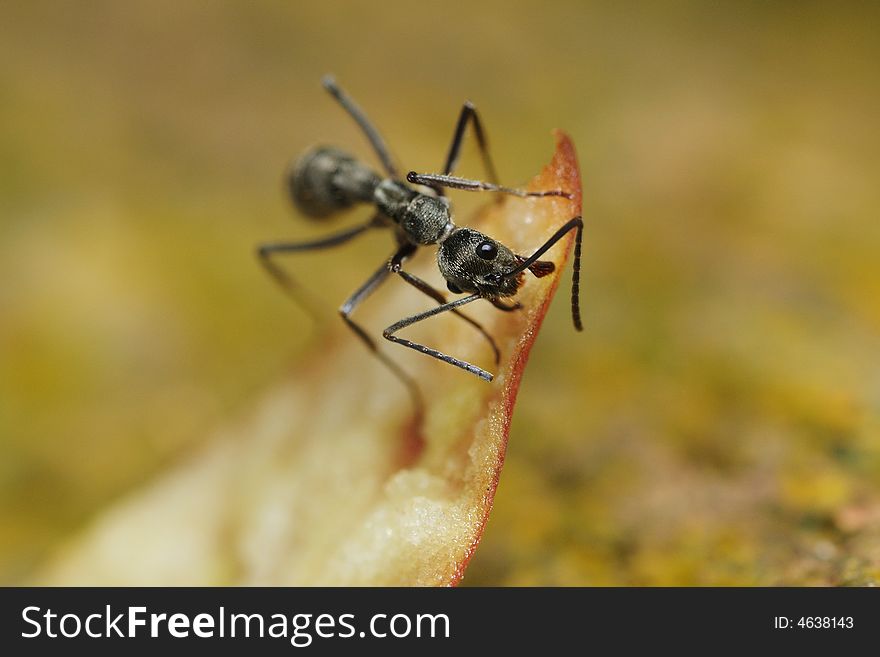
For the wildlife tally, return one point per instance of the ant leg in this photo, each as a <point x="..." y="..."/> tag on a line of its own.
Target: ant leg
<point x="469" y="113"/>
<point x="468" y="185"/>
<point x="267" y="250"/>
<point x="388" y="334"/>
<point x="436" y="295"/>
<point x="395" y="264"/>
<point x="575" y="223"/>
<point x="345" y="311"/>
<point x="404" y="252"/>
<point x="365" y="124"/>
<point x="500" y="305"/>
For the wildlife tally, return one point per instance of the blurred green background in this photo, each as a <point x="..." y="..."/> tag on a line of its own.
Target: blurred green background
<point x="718" y="422"/>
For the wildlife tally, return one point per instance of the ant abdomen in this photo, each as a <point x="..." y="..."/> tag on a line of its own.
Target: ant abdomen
<point x="326" y="180"/>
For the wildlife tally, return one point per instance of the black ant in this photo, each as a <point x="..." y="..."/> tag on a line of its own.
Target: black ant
<point x="325" y="181"/>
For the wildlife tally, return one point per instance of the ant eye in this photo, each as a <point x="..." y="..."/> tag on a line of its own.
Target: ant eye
<point x="487" y="250"/>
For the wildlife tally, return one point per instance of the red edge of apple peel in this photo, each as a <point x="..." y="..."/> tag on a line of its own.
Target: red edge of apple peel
<point x="563" y="170"/>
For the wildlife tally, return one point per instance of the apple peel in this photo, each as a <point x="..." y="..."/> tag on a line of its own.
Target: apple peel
<point x="327" y="481"/>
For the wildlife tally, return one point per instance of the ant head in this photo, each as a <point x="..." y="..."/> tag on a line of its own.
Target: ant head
<point x="473" y="262"/>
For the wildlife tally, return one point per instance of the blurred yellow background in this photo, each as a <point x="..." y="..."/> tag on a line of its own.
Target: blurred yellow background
<point x="718" y="422"/>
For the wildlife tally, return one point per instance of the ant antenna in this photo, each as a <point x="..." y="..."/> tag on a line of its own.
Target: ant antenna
<point x="575" y="223"/>
<point x="468" y="185"/>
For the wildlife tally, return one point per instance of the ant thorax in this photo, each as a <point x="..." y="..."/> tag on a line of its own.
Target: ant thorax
<point x="423" y="219"/>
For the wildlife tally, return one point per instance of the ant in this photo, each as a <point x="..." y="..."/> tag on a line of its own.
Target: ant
<point x="326" y="181"/>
